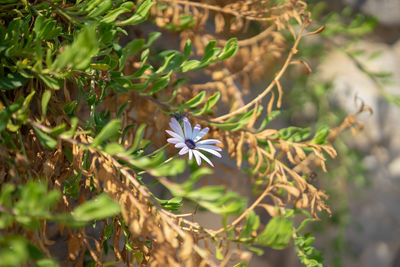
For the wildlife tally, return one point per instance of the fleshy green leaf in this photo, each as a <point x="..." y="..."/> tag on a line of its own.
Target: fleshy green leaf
<point x="99" y="208"/>
<point x="45" y="101"/>
<point x="171" y="168"/>
<point x="141" y="13"/>
<point x="161" y="83"/>
<point x="277" y="234"/>
<point x="110" y="130"/>
<point x="45" y="140"/>
<point x="211" y="101"/>
<point x="229" y="50"/>
<point x="252" y="223"/>
<point x="138" y="136"/>
<point x="195" y="101"/>
<point x="321" y="135"/>
<point x="11" y="81"/>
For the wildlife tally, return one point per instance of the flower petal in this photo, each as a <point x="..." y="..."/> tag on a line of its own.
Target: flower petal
<point x="174" y="140"/>
<point x="211" y="151"/>
<point x="209" y="147"/>
<point x="204" y="157"/>
<point x="201" y="134"/>
<point x="196" y="131"/>
<point x="190" y="154"/>
<point x="175" y="135"/>
<point x="184" y="150"/>
<point x="188" y="128"/>
<point x="196" y="155"/>
<point x="180" y="145"/>
<point x="174" y="124"/>
<point x="208" y="142"/>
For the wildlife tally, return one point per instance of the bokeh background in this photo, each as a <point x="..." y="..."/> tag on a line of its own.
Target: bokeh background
<point x="356" y="58"/>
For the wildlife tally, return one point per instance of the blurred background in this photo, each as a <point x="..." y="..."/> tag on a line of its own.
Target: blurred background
<point x="356" y="59"/>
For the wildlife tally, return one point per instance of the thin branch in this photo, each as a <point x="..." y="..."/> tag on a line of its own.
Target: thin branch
<point x="271" y="85"/>
<point x="217" y="9"/>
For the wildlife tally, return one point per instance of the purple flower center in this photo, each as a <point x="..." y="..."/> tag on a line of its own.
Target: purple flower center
<point x="190" y="143"/>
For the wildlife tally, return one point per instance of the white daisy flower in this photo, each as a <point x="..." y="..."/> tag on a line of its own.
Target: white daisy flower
<point x="188" y="140"/>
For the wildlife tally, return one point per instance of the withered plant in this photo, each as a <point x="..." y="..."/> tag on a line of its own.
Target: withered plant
<point x="87" y="91"/>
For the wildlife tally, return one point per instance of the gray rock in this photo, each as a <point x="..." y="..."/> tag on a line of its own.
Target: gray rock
<point x="394" y="167"/>
<point x="387" y="11"/>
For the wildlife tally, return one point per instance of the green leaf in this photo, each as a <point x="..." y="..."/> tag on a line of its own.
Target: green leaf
<point x="304" y="224"/>
<point x="161" y="83"/>
<point x="70" y="133"/>
<point x="122" y="108"/>
<point x="152" y="37"/>
<point x="187" y="50"/>
<point x="21" y="115"/>
<point x="69" y="108"/>
<point x="210" y="52"/>
<point x="138" y="136"/>
<point x="232" y="126"/>
<point x="109" y="230"/>
<point x="321" y="135"/>
<point x="99" y="208"/>
<point x="195" y="101"/>
<point x="294" y="134"/>
<point x="211" y="101"/>
<point x="252" y="223"/>
<point x="268" y="118"/>
<point x="209" y="193"/>
<point x="131" y="48"/>
<point x="113" y="14"/>
<point x="71" y="185"/>
<point x="167" y="57"/>
<point x="277" y="234"/>
<point x="34" y="204"/>
<point x="100" y="66"/>
<point x="45" y="101"/>
<point x="11" y="81"/>
<point x="147" y="162"/>
<point x="114" y="148"/>
<point x="172" y="204"/>
<point x="141" y="13"/>
<point x="79" y="54"/>
<point x="50" y="82"/>
<point x="190" y="65"/>
<point x="218" y="253"/>
<point x="144" y="56"/>
<point x="110" y="130"/>
<point x="194" y="177"/>
<point x="171" y="168"/>
<point x="258" y="251"/>
<point x="102" y="8"/>
<point x="14" y="252"/>
<point x="45" y="140"/>
<point x="46" y="263"/>
<point x="34" y="252"/>
<point x="229" y="50"/>
<point x="237" y="122"/>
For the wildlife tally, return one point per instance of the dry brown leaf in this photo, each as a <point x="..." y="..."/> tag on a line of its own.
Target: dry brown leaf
<point x="74" y="247"/>
<point x="219" y="23"/>
<point x="270" y="209"/>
